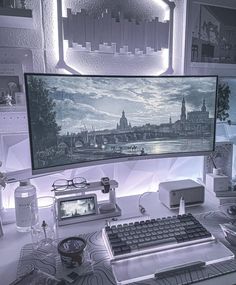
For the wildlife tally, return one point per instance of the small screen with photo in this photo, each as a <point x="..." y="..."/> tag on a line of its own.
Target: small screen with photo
<point x="78" y="207"/>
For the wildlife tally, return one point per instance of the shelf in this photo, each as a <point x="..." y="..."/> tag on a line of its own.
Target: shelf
<point x="12" y="109"/>
<point x="13" y="119"/>
<point x="16" y="18"/>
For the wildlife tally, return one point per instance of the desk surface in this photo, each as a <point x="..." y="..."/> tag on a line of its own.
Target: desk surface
<point x="12" y="241"/>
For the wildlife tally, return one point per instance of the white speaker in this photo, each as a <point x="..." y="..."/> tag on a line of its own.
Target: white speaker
<point x="170" y="193"/>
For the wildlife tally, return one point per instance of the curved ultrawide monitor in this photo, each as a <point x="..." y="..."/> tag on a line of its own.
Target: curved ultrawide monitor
<point x="79" y="121"/>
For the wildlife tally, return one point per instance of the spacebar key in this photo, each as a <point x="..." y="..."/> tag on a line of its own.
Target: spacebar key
<point x="154" y="243"/>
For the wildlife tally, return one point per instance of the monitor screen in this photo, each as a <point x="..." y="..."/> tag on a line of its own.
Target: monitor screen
<point x="79" y="121"/>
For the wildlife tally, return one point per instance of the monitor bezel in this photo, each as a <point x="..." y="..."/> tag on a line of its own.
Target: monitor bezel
<point x="51" y="169"/>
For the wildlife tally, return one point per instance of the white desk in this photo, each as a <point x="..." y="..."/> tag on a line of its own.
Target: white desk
<point x="12" y="241"/>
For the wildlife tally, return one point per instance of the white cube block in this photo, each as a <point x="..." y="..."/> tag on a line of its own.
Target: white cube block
<point x="217" y="182"/>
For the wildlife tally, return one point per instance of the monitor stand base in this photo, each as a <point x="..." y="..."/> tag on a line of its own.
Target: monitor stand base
<point x="107" y="208"/>
<point x="101" y="215"/>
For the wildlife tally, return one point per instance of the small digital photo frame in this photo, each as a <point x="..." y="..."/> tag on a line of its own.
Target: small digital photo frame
<point x="75" y="209"/>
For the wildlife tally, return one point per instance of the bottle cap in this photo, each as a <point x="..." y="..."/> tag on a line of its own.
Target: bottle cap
<point x="24" y="182"/>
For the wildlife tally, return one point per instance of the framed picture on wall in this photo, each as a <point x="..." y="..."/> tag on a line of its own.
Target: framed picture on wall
<point x="226" y="114"/>
<point x="11" y="82"/>
<point x="9" y="86"/>
<point x="226" y="120"/>
<point x="210" y="37"/>
<point x="227" y="100"/>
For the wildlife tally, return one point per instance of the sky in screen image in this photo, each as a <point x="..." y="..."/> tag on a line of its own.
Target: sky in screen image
<point x="96" y="103"/>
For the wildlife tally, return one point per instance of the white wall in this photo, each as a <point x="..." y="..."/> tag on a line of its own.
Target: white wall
<point x="41" y="43"/>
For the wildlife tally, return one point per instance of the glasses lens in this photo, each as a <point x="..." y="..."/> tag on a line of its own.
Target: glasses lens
<point x="60" y="184"/>
<point x="79" y="182"/>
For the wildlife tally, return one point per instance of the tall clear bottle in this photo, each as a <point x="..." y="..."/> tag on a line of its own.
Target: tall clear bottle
<point x="25" y="205"/>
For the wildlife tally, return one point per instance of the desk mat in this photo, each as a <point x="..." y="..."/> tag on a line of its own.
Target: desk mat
<point x="102" y="272"/>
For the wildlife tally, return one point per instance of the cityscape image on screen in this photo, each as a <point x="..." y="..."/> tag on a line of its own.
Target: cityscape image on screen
<point x="84" y="120"/>
<point x="77" y="207"/>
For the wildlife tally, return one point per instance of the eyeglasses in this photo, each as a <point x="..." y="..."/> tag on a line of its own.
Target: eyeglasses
<point x="63" y="184"/>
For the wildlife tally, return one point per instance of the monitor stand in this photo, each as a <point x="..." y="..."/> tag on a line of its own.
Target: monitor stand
<point x="100" y="215"/>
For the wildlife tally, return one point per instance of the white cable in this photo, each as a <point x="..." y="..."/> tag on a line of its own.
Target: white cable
<point x="141" y="208"/>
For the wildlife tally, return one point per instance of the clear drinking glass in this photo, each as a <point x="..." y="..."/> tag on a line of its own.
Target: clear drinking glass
<point x="44" y="225"/>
